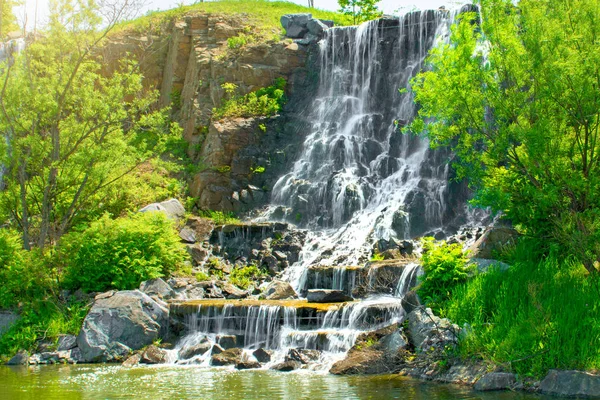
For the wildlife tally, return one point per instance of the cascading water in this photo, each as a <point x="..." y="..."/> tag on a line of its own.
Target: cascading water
<point x="359" y="178"/>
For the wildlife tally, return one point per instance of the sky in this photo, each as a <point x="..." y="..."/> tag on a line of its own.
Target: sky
<point x="28" y="10"/>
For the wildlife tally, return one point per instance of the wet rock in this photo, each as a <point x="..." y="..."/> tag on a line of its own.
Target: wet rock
<point x="303" y="356"/>
<point x="172" y="208"/>
<point x="269" y="261"/>
<point x="188" y="235"/>
<point x="154" y="355"/>
<point x="410" y="301"/>
<point x="262" y="355"/>
<point x="157" y="287"/>
<point x="371" y="354"/>
<point x="132" y="361"/>
<point x="249" y="364"/>
<point x="76" y="356"/>
<point x="216" y="349"/>
<point x="196" y="350"/>
<point x="21" y="358"/>
<point x="227" y="341"/>
<point x="280" y="255"/>
<point x="570" y="384"/>
<point x="227" y="357"/>
<point x="279" y="290"/>
<point x="496" y="381"/>
<point x="120" y="322"/>
<point x="66" y="342"/>
<point x="327" y="296"/>
<point x="287" y="366"/>
<point x="459" y="374"/>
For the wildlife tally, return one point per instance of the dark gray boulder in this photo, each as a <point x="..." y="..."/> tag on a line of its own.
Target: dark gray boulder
<point x="66" y="342"/>
<point x="428" y="332"/>
<point x="571" y="384"/>
<point x="227" y="341"/>
<point x="120" y="322"/>
<point x="316" y="27"/>
<point x="295" y="25"/>
<point x="157" y="287"/>
<point x="21" y="358"/>
<point x="248" y="364"/>
<point x="496" y="381"/>
<point x="262" y="355"/>
<point x="327" y="296"/>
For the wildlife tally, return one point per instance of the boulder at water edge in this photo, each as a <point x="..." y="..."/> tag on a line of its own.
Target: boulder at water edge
<point x="327" y="296"/>
<point x="120" y="322"/>
<point x="571" y="384"/>
<point x="279" y="290"/>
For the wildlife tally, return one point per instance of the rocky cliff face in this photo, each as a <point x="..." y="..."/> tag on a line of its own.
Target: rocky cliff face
<point x="187" y="60"/>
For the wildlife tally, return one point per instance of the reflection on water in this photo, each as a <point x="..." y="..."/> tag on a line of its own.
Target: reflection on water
<point x="115" y="382"/>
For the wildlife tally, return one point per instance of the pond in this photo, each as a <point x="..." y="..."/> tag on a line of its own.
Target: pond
<point x="68" y="382"/>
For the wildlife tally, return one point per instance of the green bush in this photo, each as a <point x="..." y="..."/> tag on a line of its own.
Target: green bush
<point x="121" y="253"/>
<point x="533" y="317"/>
<point x="22" y="272"/>
<point x="244" y="277"/>
<point x="261" y="103"/>
<point x="445" y="267"/>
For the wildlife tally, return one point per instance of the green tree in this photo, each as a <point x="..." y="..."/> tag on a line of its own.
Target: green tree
<point x="73" y="132"/>
<point x="518" y="101"/>
<point x="8" y="20"/>
<point x="360" y="10"/>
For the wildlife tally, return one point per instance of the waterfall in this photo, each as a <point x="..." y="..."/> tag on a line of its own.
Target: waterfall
<point x="358" y="178"/>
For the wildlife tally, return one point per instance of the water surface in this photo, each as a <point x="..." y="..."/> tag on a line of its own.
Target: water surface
<point x="115" y="382"/>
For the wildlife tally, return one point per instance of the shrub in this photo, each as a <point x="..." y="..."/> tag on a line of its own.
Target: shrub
<point x="261" y="103"/>
<point x="244" y="277"/>
<point x="121" y="253"/>
<point x="445" y="267"/>
<point x="21" y="272"/>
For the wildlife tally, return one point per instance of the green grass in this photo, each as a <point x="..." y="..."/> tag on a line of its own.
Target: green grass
<point x="540" y="314"/>
<point x="263" y="14"/>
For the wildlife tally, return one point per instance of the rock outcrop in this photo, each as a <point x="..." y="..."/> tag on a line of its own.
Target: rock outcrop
<point x="571" y="384"/>
<point x="120" y="322"/>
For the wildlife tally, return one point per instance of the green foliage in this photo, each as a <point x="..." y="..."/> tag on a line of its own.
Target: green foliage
<point x="261" y="103"/>
<point x="74" y="130"/>
<point x="21" y="272"/>
<point x="42" y="319"/>
<point x="120" y="253"/>
<point x="8" y="20"/>
<point x="536" y="316"/>
<point x="517" y="101"/>
<point x="245" y="276"/>
<point x="239" y="41"/>
<point x="202" y="276"/>
<point x="377" y="256"/>
<point x="360" y="10"/>
<point x="258" y="170"/>
<point x="220" y="217"/>
<point x="445" y="266"/>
